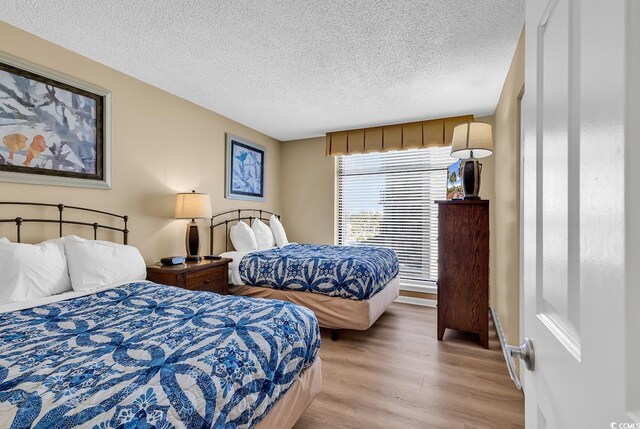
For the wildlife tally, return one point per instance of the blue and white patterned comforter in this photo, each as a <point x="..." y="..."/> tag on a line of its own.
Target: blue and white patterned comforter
<point x="151" y="356"/>
<point x="344" y="271"/>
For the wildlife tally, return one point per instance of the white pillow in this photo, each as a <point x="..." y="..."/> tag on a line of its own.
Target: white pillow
<point x="243" y="237"/>
<point x="4" y="240"/>
<point x="31" y="271"/>
<point x="93" y="264"/>
<point x="264" y="236"/>
<point x="278" y="231"/>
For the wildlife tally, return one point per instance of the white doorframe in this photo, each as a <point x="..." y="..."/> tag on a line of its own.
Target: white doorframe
<point x="520" y="225"/>
<point x="632" y="224"/>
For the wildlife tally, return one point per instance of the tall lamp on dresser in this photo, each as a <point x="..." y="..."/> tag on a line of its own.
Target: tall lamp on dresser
<point x="463" y="240"/>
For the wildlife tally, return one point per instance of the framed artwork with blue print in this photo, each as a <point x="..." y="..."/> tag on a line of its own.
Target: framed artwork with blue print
<point x="245" y="169"/>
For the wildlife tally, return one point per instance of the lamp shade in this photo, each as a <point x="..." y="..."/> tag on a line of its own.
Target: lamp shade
<point x="472" y="138"/>
<point x="193" y="205"/>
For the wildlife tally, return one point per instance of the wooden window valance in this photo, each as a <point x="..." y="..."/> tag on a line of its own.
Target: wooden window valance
<point x="434" y="132"/>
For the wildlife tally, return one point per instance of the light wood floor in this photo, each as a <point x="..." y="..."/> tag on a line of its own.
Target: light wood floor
<point x="398" y="375"/>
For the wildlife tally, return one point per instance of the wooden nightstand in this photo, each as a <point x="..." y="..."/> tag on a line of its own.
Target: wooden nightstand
<point x="207" y="275"/>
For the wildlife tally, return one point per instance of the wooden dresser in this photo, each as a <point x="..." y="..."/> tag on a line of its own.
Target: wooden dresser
<point x="207" y="275"/>
<point x="463" y="267"/>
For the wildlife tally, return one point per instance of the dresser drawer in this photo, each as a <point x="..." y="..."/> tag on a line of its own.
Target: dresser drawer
<point x="213" y="280"/>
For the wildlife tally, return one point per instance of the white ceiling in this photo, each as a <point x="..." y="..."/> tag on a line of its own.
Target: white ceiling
<point x="296" y="69"/>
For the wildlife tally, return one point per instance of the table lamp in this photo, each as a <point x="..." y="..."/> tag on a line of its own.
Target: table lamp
<point x="471" y="141"/>
<point x="193" y="205"/>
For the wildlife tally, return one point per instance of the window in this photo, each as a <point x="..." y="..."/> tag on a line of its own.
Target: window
<point x="387" y="200"/>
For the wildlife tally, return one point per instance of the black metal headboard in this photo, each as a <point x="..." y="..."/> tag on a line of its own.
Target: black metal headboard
<point x="233" y="217"/>
<point x="61" y="221"/>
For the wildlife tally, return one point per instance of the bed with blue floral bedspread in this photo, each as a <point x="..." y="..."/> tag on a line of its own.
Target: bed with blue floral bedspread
<point x="147" y="355"/>
<point x="351" y="272"/>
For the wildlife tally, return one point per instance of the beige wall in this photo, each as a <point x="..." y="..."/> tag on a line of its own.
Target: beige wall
<point x="487" y="192"/>
<point x="505" y="293"/>
<point x="308" y="182"/>
<point x="162" y="145"/>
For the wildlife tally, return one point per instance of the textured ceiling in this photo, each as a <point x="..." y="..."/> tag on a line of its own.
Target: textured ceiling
<point x="295" y="69"/>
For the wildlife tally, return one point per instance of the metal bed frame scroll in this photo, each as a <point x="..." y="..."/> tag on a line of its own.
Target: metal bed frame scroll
<point x="19" y="221"/>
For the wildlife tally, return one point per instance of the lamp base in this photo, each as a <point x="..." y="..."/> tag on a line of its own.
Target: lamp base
<point x="193" y="242"/>
<point x="471" y="171"/>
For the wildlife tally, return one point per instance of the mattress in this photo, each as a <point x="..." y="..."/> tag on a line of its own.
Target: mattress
<point x="332" y="312"/>
<point x="147" y="355"/>
<point x="351" y="272"/>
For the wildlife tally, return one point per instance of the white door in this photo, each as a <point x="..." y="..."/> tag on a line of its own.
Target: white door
<point x="581" y="279"/>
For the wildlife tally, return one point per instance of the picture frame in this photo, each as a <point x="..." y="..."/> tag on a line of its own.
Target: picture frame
<point x="454" y="181"/>
<point x="54" y="129"/>
<point x="245" y="169"/>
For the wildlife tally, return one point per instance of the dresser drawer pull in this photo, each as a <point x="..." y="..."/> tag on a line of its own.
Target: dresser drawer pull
<point x="207" y="282"/>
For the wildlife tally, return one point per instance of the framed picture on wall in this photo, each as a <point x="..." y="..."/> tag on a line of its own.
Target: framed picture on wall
<point x="245" y="169"/>
<point x="54" y="130"/>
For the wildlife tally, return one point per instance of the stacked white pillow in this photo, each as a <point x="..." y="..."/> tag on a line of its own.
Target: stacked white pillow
<point x="278" y="231"/>
<point x="31" y="271"/>
<point x="264" y="235"/>
<point x="243" y="238"/>
<point x="93" y="263"/>
<point x="259" y="236"/>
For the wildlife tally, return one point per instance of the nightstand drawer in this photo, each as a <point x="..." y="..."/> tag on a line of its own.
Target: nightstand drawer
<point x="213" y="280"/>
<point x="206" y="275"/>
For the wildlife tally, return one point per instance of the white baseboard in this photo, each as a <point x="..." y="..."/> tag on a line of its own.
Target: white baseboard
<point x="428" y="288"/>
<point x="417" y="301"/>
<point x="505" y="353"/>
<point x="499" y="331"/>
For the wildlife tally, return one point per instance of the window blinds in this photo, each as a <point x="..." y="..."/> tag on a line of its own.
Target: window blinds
<point x="387" y="200"/>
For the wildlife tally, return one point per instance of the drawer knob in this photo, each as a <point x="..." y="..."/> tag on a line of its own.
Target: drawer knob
<point x="207" y="282"/>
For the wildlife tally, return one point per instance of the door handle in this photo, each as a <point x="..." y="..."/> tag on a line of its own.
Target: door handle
<point x="525" y="353"/>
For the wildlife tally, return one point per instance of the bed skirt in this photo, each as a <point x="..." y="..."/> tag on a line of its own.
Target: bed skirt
<point x="288" y="409"/>
<point x="332" y="312"/>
